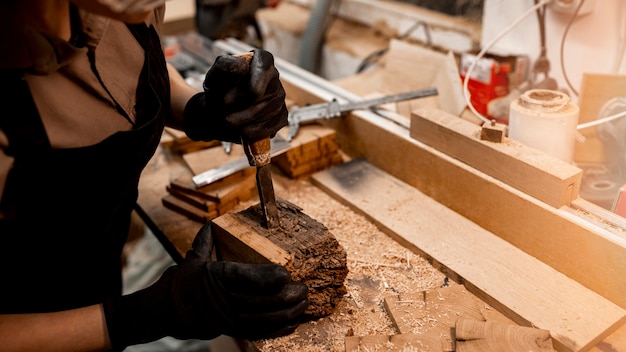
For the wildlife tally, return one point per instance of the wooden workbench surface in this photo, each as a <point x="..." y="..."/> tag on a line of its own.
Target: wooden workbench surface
<point x="378" y="265"/>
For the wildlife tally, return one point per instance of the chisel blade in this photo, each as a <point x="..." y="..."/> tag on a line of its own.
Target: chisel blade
<point x="267" y="197"/>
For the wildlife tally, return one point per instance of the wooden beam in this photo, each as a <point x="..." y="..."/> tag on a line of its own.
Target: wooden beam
<point x="593" y="256"/>
<point x="537" y="174"/>
<point x="520" y="286"/>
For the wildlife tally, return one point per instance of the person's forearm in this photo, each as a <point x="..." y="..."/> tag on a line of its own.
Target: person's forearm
<point x="181" y="92"/>
<point x="82" y="329"/>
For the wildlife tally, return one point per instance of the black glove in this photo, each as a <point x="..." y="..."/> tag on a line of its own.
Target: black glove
<point x="239" y="99"/>
<point x="202" y="299"/>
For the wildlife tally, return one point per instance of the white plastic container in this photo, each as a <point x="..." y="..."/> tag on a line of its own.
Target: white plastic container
<point x="545" y="120"/>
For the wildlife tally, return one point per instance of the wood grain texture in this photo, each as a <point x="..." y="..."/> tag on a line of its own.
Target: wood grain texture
<point x="537" y="174"/>
<point x="301" y="244"/>
<point x="575" y="248"/>
<point x="488" y="266"/>
<point x="487" y="336"/>
<point x="313" y="149"/>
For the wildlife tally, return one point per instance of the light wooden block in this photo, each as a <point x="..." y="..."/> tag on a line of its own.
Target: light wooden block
<point x="537" y="174"/>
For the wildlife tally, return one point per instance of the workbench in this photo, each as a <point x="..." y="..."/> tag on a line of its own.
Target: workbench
<point x="379" y="266"/>
<point x="417" y="198"/>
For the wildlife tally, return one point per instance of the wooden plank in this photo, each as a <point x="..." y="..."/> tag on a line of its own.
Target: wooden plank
<point x="590" y="255"/>
<point x="533" y="296"/>
<point x="190" y="211"/>
<point x="540" y="175"/>
<point x="221" y="191"/>
<point x="217" y="190"/>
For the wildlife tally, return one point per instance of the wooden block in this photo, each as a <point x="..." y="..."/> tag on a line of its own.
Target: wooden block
<point x="313" y="149"/>
<point x="187" y="209"/>
<point x="486" y="336"/>
<point x="542" y="176"/>
<point x="305" y="170"/>
<point x="520" y="286"/>
<point x="302" y="245"/>
<point x="493" y="132"/>
<point x="200" y="206"/>
<point x="192" y="199"/>
<point x="219" y="191"/>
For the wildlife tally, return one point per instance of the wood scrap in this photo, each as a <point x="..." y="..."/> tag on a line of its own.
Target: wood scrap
<point x="302" y="245"/>
<point x="182" y="207"/>
<point x="493" y="132"/>
<point x="313" y="149"/>
<point x="486" y="336"/>
<point x="218" y="191"/>
<point x="213" y="201"/>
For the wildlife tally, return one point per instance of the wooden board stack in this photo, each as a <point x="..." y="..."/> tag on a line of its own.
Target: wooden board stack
<point x="208" y="202"/>
<point x="178" y="142"/>
<point x="313" y="149"/>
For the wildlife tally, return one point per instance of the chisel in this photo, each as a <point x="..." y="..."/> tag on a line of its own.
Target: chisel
<point x="258" y="153"/>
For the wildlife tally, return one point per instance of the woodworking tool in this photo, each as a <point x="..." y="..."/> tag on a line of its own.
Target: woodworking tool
<point x="259" y="155"/>
<point x="300" y="115"/>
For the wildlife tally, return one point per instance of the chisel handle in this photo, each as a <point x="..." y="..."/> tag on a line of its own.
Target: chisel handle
<point x="258" y="152"/>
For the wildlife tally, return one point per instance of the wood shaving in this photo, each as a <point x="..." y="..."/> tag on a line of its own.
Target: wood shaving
<point x="378" y="267"/>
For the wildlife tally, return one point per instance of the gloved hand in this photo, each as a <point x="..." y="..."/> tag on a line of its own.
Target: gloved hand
<point x="238" y="99"/>
<point x="202" y="299"/>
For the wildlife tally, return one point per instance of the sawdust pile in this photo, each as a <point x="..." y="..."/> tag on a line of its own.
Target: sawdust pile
<point x="378" y="267"/>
